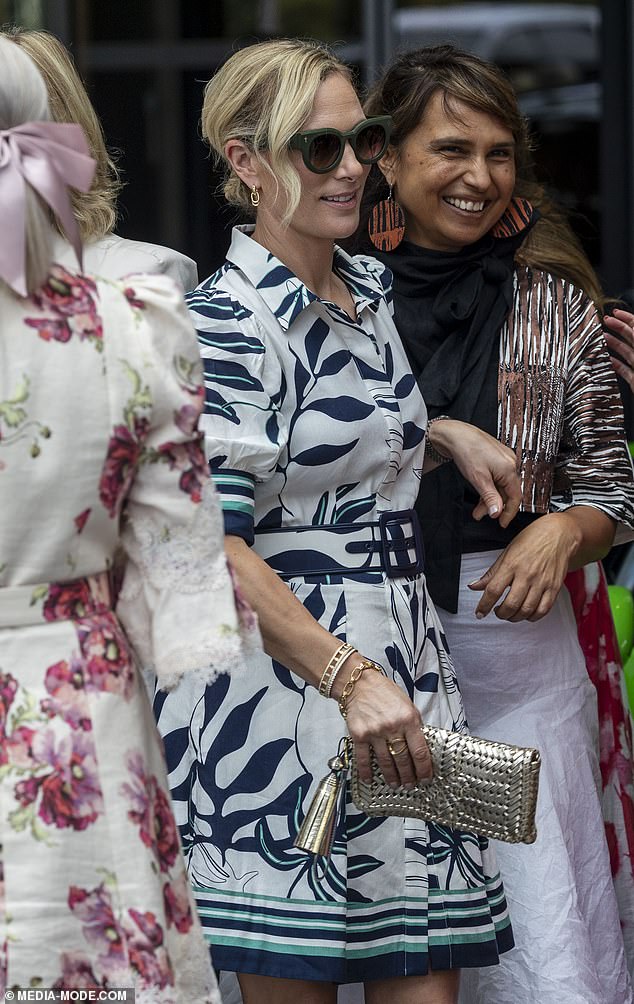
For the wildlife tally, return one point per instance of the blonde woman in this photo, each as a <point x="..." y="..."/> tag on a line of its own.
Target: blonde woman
<point x="316" y="439"/>
<point x="105" y="253"/>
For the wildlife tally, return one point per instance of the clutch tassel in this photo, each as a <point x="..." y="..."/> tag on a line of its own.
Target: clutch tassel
<point x="317" y="831"/>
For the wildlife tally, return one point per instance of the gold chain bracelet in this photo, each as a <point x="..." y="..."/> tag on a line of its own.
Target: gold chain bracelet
<point x="333" y="666"/>
<point x="352" y="681"/>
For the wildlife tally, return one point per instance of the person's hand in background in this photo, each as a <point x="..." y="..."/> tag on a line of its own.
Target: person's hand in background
<point x="620" y="338"/>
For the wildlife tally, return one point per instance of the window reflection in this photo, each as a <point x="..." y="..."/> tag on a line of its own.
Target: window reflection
<point x="146" y="64"/>
<point x="29" y="13"/>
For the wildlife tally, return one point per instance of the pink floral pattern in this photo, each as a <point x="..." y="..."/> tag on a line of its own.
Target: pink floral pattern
<point x="78" y="973"/>
<point x="136" y="940"/>
<point x="190" y="460"/>
<point x="177" y="903"/>
<point x="76" y="728"/>
<point x="597" y="637"/>
<point x="150" y="809"/>
<point x="64" y="786"/>
<point x="61" y="787"/>
<point x="124" y="453"/>
<point x="106" y="655"/>
<point x="127" y="448"/>
<point x="133" y="299"/>
<point x="186" y="418"/>
<point x="54" y="758"/>
<point x="147" y="952"/>
<point x="69" y="301"/>
<point x="66" y="683"/>
<point x="82" y="518"/>
<point x="8" y="690"/>
<point x="67" y="600"/>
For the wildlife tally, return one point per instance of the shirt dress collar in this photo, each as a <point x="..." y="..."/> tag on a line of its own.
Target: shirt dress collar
<point x="282" y="291"/>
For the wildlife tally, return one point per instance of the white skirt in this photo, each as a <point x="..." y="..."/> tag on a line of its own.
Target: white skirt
<point x="527" y="684"/>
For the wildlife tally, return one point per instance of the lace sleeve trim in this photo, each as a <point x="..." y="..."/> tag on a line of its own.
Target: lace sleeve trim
<point x="178" y="603"/>
<point x="185" y="559"/>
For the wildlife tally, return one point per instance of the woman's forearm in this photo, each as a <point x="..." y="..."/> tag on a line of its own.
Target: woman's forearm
<point x="525" y="579"/>
<point x="377" y="709"/>
<point x="290" y="634"/>
<point x="488" y="466"/>
<point x="592" y="534"/>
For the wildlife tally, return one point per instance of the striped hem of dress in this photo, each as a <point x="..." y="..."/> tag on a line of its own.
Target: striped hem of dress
<point x="354" y="942"/>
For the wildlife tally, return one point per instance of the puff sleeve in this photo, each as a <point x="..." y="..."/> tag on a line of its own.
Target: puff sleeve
<point x="177" y="602"/>
<point x="244" y="428"/>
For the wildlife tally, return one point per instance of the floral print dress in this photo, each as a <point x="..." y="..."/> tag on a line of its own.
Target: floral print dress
<point x="99" y="400"/>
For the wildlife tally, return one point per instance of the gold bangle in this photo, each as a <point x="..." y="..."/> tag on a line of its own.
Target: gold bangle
<point x="341" y="662"/>
<point x="333" y="666"/>
<point x="352" y="681"/>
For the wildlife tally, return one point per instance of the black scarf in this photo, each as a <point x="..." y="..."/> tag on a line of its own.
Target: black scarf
<point x="449" y="309"/>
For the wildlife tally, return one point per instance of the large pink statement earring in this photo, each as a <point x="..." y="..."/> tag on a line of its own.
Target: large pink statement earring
<point x="386" y="225"/>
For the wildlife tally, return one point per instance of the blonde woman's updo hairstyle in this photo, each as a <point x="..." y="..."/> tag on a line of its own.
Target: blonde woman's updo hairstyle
<point x="96" y="210"/>
<point x="263" y="95"/>
<point x="404" y="92"/>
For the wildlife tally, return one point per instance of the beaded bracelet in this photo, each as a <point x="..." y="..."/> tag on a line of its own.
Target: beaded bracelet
<point x="333" y="666"/>
<point x="430" y="449"/>
<point x="351" y="682"/>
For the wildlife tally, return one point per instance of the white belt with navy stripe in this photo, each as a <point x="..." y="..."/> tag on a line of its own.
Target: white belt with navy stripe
<point x="392" y="544"/>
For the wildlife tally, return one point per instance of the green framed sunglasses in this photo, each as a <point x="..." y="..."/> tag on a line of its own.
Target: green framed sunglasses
<point x="322" y="149"/>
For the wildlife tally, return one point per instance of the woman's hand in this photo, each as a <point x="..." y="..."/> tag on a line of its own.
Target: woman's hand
<point x="531" y="570"/>
<point x="621" y="323"/>
<point x="379" y="712"/>
<point x="488" y="465"/>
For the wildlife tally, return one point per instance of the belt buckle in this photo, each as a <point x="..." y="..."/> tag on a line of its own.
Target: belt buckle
<point x="392" y="547"/>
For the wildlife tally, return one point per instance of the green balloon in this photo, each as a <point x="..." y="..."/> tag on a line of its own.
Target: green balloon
<point x="628" y="673"/>
<point x="622" y="604"/>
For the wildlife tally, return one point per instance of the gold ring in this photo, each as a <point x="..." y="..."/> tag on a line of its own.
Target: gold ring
<point x="391" y="745"/>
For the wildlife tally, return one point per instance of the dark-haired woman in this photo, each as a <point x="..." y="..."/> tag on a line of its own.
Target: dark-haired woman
<point x="494" y="304"/>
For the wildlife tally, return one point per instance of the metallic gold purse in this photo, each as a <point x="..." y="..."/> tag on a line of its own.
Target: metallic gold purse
<point x="481" y="786"/>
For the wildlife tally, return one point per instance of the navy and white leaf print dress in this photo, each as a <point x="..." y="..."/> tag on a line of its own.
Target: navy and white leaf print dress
<point x="314" y="420"/>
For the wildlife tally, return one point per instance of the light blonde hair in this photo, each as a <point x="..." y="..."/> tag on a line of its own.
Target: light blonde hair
<point x="96" y="210"/>
<point x="23" y="99"/>
<point x="262" y="95"/>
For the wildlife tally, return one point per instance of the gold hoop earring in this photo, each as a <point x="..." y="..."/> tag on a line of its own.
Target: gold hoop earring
<point x="254" y="195"/>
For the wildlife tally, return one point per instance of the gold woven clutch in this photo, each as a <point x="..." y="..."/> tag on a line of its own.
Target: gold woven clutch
<point x="486" y="787"/>
<point x="480" y="786"/>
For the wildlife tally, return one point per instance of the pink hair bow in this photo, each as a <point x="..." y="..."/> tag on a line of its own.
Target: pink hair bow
<point x="49" y="156"/>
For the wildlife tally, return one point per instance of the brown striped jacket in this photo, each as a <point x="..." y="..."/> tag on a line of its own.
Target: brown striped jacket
<point x="559" y="404"/>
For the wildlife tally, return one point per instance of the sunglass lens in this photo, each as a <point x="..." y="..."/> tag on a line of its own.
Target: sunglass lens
<point x="370" y="143"/>
<point x="324" y="150"/>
